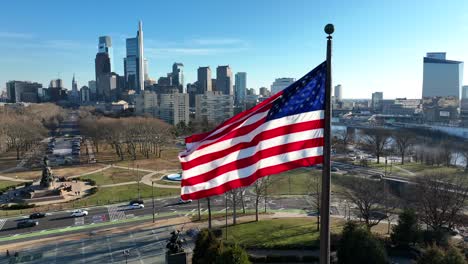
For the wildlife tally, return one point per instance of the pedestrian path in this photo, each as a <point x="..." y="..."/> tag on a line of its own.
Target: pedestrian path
<point x="2" y="223"/>
<point x="115" y="213"/>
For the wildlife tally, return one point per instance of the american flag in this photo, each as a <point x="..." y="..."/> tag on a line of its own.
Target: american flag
<point x="282" y="133"/>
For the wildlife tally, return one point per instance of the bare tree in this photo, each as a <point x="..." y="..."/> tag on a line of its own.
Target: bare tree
<point x="439" y="198"/>
<point x="260" y="190"/>
<point x="403" y="141"/>
<point x="368" y="196"/>
<point x="375" y="140"/>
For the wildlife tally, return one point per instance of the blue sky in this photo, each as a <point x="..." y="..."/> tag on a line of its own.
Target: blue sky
<point x="378" y="45"/>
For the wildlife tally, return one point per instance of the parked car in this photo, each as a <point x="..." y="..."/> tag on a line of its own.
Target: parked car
<point x="27" y="223"/>
<point x="136" y="206"/>
<point x="37" y="215"/>
<point x="79" y="213"/>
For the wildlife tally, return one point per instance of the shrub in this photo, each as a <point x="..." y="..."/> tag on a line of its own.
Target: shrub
<point x="233" y="255"/>
<point x="207" y="248"/>
<point x="93" y="190"/>
<point x="20" y="206"/>
<point x="358" y="245"/>
<point x="407" y="230"/>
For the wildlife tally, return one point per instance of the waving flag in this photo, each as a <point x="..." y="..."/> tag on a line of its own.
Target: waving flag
<point x="282" y="133"/>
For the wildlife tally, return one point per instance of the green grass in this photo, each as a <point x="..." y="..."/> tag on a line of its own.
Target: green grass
<point x="124" y="193"/>
<point x="4" y="184"/>
<point x="279" y="233"/>
<point x="113" y="176"/>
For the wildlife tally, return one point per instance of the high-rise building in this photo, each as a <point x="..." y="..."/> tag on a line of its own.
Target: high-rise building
<point x="134" y="64"/>
<point x="178" y="76"/>
<point x="85" y="94"/>
<point x="204" y="80"/>
<point x="338" y="93"/>
<point x="441" y="77"/>
<point x="464" y="106"/>
<point x="224" y="80"/>
<point x="442" y="88"/>
<point x="146" y="67"/>
<point x="376" y="103"/>
<point x="19" y="91"/>
<point x="281" y="83"/>
<point x="56" y="92"/>
<point x="92" y="90"/>
<point x="172" y="108"/>
<point x="213" y="107"/>
<point x="241" y="85"/>
<point x="105" y="46"/>
<point x="264" y="92"/>
<point x="464" y="92"/>
<point x="75" y="95"/>
<point x="56" y="83"/>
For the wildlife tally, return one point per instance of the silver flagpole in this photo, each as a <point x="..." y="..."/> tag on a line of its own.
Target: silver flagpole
<point x="325" y="201"/>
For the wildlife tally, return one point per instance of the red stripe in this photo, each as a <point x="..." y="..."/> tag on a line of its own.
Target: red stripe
<point x="202" y="136"/>
<point x="245" y="162"/>
<point x="293" y="128"/>
<point x="251" y="179"/>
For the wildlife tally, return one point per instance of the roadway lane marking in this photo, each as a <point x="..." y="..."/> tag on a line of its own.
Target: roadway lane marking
<point x="110" y="249"/>
<point x="115" y="213"/>
<point x="79" y="221"/>
<point x="2" y="223"/>
<point x="193" y="210"/>
<point x="136" y="249"/>
<point x="83" y="260"/>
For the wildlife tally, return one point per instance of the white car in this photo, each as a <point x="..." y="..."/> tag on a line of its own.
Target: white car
<point x="136" y="206"/>
<point x="78" y="213"/>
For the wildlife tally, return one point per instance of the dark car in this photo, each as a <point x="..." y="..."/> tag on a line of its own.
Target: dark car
<point x="37" y="215"/>
<point x="27" y="223"/>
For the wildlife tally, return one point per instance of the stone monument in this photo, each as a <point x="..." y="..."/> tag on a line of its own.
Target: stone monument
<point x="47" y="177"/>
<point x="175" y="253"/>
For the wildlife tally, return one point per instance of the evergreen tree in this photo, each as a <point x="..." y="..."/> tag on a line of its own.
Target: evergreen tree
<point x="233" y="255"/>
<point x="207" y="248"/>
<point x="407" y="230"/>
<point x="358" y="245"/>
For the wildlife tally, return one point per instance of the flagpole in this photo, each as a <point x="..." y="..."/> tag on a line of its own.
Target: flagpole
<point x="325" y="199"/>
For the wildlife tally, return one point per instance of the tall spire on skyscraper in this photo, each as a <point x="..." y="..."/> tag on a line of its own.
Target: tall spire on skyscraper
<point x="141" y="58"/>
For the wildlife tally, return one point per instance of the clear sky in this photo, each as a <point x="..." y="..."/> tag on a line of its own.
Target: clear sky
<point x="378" y="45"/>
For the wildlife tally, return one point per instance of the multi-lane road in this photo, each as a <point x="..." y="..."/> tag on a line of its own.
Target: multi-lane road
<point x="108" y="213"/>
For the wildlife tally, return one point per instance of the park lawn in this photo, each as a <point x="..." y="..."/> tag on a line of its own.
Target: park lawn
<point x="8" y="160"/>
<point x="124" y="193"/>
<point x="279" y="233"/>
<point x="300" y="180"/>
<point x="4" y="184"/>
<point x="113" y="176"/>
<point x="35" y="174"/>
<point x="170" y="183"/>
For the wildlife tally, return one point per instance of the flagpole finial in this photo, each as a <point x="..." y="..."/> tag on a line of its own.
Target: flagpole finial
<point x="329" y="29"/>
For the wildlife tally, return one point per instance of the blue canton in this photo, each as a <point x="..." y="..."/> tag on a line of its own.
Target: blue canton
<point x="305" y="95"/>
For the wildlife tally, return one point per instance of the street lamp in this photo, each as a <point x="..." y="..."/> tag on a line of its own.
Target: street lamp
<point x="152" y="194"/>
<point x="126" y="253"/>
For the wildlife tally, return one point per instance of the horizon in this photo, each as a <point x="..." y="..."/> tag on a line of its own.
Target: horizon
<point x="253" y="45"/>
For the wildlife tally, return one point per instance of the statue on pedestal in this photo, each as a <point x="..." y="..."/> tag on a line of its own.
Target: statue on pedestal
<point x="47" y="178"/>
<point x="175" y="243"/>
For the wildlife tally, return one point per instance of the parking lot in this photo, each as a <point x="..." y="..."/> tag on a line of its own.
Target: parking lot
<point x="144" y="246"/>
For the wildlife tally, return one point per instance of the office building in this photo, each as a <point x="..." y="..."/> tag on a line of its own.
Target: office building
<point x="376" y="102"/>
<point x="204" y="80"/>
<point x="464" y="106"/>
<point x="25" y="92"/>
<point x="85" y="94"/>
<point x="441" y="77"/>
<point x="56" y="83"/>
<point x="56" y="92"/>
<point x="338" y="93"/>
<point x="105" y="46"/>
<point x="281" y="83"/>
<point x="134" y="62"/>
<point x="75" y="94"/>
<point x="442" y="88"/>
<point x="241" y="85"/>
<point x="213" y="107"/>
<point x="178" y="76"/>
<point x="264" y="92"/>
<point x="92" y="90"/>
<point x="172" y="108"/>
<point x="102" y="64"/>
<point x="224" y="80"/>
<point x="402" y="106"/>
<point x="146" y="69"/>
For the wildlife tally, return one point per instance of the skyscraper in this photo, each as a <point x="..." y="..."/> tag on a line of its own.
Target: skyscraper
<point x="241" y="85"/>
<point x="74" y="91"/>
<point x="134" y="62"/>
<point x="204" y="80"/>
<point x="224" y="80"/>
<point x="146" y="75"/>
<point x="105" y="46"/>
<point x="376" y="103"/>
<point x="338" y="93"/>
<point x="178" y="76"/>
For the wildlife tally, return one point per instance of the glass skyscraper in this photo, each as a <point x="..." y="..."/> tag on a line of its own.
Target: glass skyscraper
<point x="134" y="62"/>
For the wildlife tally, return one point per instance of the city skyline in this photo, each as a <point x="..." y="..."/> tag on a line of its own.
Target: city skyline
<point x="285" y="48"/>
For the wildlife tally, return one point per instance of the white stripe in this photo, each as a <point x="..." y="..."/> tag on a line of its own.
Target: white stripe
<point x="245" y="122"/>
<point x="248" y="171"/>
<point x="272" y="124"/>
<point x="248" y="152"/>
